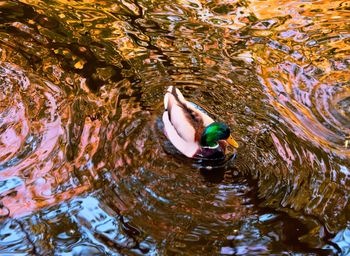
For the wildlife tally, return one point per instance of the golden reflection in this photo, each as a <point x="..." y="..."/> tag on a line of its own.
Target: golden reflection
<point x="297" y="50"/>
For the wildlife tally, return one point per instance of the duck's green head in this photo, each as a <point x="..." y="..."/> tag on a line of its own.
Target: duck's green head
<point x="214" y="132"/>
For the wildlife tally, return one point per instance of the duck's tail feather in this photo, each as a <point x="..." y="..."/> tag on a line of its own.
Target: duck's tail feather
<point x="177" y="95"/>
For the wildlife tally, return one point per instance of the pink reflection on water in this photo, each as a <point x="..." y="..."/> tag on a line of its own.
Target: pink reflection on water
<point x="33" y="143"/>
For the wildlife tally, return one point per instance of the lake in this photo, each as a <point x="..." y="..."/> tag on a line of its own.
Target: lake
<point x="85" y="168"/>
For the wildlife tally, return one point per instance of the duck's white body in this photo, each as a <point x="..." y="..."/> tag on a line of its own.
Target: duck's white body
<point x="183" y="123"/>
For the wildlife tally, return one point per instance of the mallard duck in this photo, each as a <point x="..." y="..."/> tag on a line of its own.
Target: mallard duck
<point x="193" y="132"/>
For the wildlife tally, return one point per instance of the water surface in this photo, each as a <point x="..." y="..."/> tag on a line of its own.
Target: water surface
<point x="86" y="170"/>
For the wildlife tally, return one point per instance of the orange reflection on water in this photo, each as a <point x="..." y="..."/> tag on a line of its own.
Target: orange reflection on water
<point x="303" y="66"/>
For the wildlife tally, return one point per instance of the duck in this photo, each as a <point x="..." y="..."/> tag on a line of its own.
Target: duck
<point x="191" y="130"/>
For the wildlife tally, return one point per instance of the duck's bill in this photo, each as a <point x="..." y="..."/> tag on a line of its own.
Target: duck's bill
<point x="232" y="142"/>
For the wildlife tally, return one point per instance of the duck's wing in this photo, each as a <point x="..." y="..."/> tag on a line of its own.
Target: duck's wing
<point x="179" y="115"/>
<point x="183" y="122"/>
<point x="194" y="113"/>
<point x="206" y="119"/>
<point x="187" y="147"/>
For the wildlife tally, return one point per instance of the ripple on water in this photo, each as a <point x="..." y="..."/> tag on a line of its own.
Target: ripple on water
<point x="307" y="80"/>
<point x="33" y="113"/>
<point x="303" y="64"/>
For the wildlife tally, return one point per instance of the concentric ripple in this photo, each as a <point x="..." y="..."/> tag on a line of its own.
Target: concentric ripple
<point x="305" y="70"/>
<point x="316" y="109"/>
<point x="161" y="192"/>
<point x="84" y="164"/>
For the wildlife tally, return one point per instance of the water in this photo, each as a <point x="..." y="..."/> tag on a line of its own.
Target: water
<point x="86" y="170"/>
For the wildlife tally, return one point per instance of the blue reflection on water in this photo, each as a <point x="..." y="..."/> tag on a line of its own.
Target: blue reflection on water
<point x="8" y="184"/>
